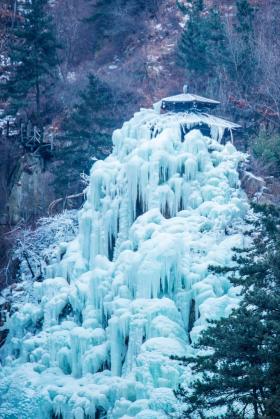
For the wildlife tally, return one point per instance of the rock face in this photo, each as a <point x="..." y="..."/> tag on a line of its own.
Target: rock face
<point x="133" y="288"/>
<point x="30" y="192"/>
<point x="258" y="186"/>
<point x="253" y="185"/>
<point x="25" y="194"/>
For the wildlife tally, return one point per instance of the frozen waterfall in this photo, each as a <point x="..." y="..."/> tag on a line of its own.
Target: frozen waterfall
<point x="133" y="288"/>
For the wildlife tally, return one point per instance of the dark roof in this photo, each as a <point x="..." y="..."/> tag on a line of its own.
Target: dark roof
<point x="190" y="98"/>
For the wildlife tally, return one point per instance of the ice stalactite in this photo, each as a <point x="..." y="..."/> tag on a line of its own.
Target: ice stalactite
<point x="133" y="288"/>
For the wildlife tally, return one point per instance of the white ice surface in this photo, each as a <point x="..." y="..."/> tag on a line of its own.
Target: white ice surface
<point x="160" y="209"/>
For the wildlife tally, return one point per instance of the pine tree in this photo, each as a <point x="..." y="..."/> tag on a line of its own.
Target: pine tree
<point x="242" y="70"/>
<point x="193" y="43"/>
<point x="7" y="16"/>
<point x="114" y="20"/>
<point x="103" y="20"/>
<point x="245" y="18"/>
<point x="239" y="356"/>
<point x="34" y="61"/>
<point x="202" y="48"/>
<point x="86" y="133"/>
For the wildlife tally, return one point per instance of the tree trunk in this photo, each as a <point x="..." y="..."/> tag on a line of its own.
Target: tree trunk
<point x="38" y="102"/>
<point x="255" y="404"/>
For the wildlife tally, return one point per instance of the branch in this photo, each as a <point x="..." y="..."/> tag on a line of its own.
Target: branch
<point x="28" y="264"/>
<point x="59" y="200"/>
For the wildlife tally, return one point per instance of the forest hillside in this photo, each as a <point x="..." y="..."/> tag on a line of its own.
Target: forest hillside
<point x="139" y="209"/>
<point x="99" y="65"/>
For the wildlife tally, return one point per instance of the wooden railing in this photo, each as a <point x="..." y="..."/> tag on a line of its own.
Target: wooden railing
<point x="26" y="134"/>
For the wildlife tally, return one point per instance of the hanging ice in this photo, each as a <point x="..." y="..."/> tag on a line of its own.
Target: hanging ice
<point x="133" y="288"/>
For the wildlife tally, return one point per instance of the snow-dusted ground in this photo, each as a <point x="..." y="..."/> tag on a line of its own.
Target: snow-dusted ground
<point x="98" y="341"/>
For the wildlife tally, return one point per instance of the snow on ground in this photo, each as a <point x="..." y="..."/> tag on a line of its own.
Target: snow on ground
<point x="98" y="340"/>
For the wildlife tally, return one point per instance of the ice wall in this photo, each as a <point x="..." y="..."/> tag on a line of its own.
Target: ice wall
<point x="133" y="288"/>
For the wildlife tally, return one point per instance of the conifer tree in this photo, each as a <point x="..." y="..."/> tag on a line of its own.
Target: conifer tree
<point x="242" y="69"/>
<point x="86" y="134"/>
<point x="202" y="48"/>
<point x="102" y="17"/>
<point x="34" y="60"/>
<point x="192" y="47"/>
<point x="114" y="20"/>
<point x="239" y="356"/>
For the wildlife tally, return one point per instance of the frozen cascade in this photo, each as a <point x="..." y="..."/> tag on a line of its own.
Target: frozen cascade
<point x="133" y="288"/>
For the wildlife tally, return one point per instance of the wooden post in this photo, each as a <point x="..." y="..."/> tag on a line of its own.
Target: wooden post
<point x="8" y="128"/>
<point x="28" y="130"/>
<point x="21" y="132"/>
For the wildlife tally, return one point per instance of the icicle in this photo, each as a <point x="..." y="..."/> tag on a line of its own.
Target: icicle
<point x="231" y="136"/>
<point x="191" y="168"/>
<point x="117" y="347"/>
<point x="135" y="341"/>
<point x="133" y="175"/>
